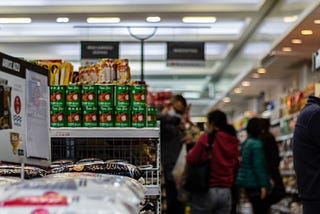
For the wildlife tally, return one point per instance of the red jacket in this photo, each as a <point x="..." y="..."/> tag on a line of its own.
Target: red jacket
<point x="224" y="161"/>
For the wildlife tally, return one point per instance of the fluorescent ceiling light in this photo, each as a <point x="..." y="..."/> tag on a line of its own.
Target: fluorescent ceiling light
<point x="286" y="49"/>
<point x="226" y="100"/>
<point x="24" y="20"/>
<point x="255" y="75"/>
<point x="237" y="90"/>
<point x="93" y="20"/>
<point x="290" y="18"/>
<point x="316" y="21"/>
<point x="199" y="19"/>
<point x="62" y="20"/>
<point x="262" y="70"/>
<point x="246" y="83"/>
<point x="153" y="19"/>
<point x="296" y="41"/>
<point x="306" y="32"/>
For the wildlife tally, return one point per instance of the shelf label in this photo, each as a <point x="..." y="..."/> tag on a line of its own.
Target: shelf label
<point x="62" y="134"/>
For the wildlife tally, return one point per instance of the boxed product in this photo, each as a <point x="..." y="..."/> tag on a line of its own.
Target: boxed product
<point x="138" y="116"/>
<point x="122" y="95"/>
<point x="151" y="116"/>
<point x="74" y="116"/>
<point x="105" y="95"/>
<point x="122" y="116"/>
<point x="90" y="116"/>
<point x="73" y="95"/>
<point x="89" y="95"/>
<point x="57" y="95"/>
<point x="138" y="95"/>
<point x="57" y="116"/>
<point x="106" y="116"/>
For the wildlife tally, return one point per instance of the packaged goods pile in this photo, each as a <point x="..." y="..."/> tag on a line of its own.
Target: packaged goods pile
<point x="81" y="193"/>
<point x="104" y="96"/>
<point x="89" y="185"/>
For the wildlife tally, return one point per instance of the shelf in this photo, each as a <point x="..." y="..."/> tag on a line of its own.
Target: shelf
<point x="284" y="137"/>
<point x="84" y="132"/>
<point x="289" y="117"/>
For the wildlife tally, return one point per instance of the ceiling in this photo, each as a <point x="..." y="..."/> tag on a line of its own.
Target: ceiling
<point x="245" y="33"/>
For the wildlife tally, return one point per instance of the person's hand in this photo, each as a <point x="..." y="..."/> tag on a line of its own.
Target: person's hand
<point x="187" y="139"/>
<point x="263" y="193"/>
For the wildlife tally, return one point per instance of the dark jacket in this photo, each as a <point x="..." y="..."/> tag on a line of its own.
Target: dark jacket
<point x="252" y="173"/>
<point x="306" y="151"/>
<point x="225" y="156"/>
<point x="170" y="136"/>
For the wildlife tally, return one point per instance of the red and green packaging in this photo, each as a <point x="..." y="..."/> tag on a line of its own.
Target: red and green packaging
<point x="74" y="117"/>
<point x="105" y="95"/>
<point x="106" y="116"/>
<point x="57" y="116"/>
<point x="151" y="116"/>
<point x="57" y="95"/>
<point x="122" y="116"/>
<point x="122" y="95"/>
<point x="138" y="95"/>
<point x="90" y="116"/>
<point x="138" y="118"/>
<point x="73" y="95"/>
<point x="89" y="95"/>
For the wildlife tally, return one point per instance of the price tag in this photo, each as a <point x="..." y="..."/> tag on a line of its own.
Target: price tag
<point x="62" y="134"/>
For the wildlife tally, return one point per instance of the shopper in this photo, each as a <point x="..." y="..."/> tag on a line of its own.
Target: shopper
<point x="306" y="155"/>
<point x="252" y="175"/>
<point x="272" y="161"/>
<point x="224" y="160"/>
<point x="172" y="135"/>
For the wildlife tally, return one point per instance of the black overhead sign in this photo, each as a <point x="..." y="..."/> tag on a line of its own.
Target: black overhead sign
<point x="185" y="51"/>
<point x="97" y="50"/>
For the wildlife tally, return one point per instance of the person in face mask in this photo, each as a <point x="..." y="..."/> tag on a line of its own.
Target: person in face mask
<point x="172" y="135"/>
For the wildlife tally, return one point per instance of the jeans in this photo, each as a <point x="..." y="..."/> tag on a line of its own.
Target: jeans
<point x="216" y="201"/>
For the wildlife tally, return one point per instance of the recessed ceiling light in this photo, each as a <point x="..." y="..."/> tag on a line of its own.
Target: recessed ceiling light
<point x="286" y="49"/>
<point x="296" y="41"/>
<point x="153" y="19"/>
<point x="24" y="20"/>
<point x="290" y="18"/>
<point x="199" y="19"/>
<point x="62" y="19"/>
<point x="226" y="100"/>
<point x="93" y="20"/>
<point x="237" y="90"/>
<point x="255" y="75"/>
<point x="306" y="32"/>
<point x="246" y="83"/>
<point x="316" y="21"/>
<point x="261" y="70"/>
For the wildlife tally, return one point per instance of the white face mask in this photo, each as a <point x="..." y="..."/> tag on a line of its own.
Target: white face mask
<point x="172" y="112"/>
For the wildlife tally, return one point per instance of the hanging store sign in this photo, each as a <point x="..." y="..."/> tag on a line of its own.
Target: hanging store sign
<point x="91" y="51"/>
<point x="185" y="54"/>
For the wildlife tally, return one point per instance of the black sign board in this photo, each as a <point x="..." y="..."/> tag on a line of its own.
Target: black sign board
<point x="99" y="49"/>
<point x="185" y="51"/>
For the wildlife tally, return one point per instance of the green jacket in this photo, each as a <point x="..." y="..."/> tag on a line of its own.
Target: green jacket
<point x="252" y="173"/>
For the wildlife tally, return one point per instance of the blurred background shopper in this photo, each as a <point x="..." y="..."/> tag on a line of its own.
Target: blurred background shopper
<point x="252" y="175"/>
<point x="224" y="160"/>
<point x="172" y="136"/>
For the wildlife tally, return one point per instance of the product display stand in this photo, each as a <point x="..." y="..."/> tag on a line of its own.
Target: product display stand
<point x="138" y="146"/>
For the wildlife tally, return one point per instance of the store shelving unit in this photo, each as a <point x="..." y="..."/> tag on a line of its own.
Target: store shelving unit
<point x="284" y="138"/>
<point x="138" y="146"/>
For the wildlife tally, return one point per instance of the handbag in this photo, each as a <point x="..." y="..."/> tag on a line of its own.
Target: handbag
<point x="197" y="176"/>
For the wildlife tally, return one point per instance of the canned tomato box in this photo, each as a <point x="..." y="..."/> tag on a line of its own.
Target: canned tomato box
<point x="105" y="95"/>
<point x="74" y="116"/>
<point x="138" y="118"/>
<point x="89" y="95"/>
<point x="57" y="116"/>
<point x="90" y="116"/>
<point x="122" y="95"/>
<point x="106" y="116"/>
<point x="151" y="116"/>
<point x="73" y="95"/>
<point x="138" y="95"/>
<point x="57" y="95"/>
<point x="122" y="116"/>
